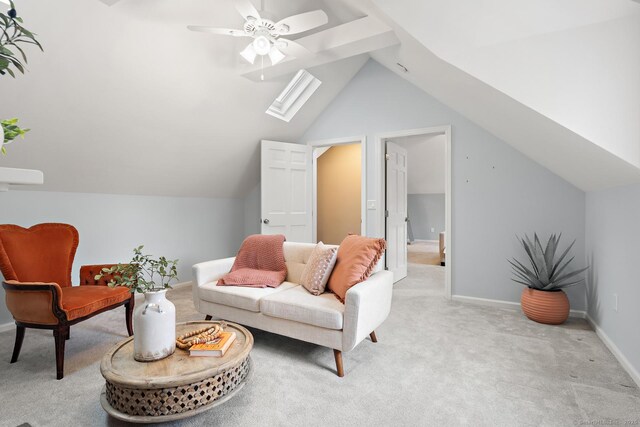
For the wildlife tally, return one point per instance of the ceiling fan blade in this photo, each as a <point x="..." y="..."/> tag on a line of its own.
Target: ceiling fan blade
<point x="302" y="22"/>
<point x="223" y="31"/>
<point x="247" y="9"/>
<point x="291" y="48"/>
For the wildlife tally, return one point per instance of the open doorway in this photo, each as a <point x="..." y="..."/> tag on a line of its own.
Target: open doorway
<point x="338" y="189"/>
<point x="416" y="192"/>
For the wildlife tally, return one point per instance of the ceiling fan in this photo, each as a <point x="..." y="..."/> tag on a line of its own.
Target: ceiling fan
<point x="267" y="34"/>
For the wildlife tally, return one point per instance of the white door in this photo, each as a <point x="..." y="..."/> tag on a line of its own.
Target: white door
<point x="286" y="190"/>
<point x="396" y="210"/>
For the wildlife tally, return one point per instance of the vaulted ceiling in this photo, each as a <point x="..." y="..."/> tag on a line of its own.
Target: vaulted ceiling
<point x="126" y="100"/>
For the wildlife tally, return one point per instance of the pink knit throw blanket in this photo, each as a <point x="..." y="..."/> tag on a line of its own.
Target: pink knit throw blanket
<point x="259" y="263"/>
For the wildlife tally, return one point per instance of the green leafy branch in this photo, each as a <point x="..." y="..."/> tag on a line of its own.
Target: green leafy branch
<point x="143" y="273"/>
<point x="12" y="36"/>
<point x="11" y="131"/>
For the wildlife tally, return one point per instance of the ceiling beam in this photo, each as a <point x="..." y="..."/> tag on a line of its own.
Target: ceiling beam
<point x="343" y="41"/>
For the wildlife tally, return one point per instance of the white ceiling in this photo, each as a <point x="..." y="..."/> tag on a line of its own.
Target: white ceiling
<point x="126" y="100"/>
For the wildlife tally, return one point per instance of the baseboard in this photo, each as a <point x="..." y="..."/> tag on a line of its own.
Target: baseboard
<point x="633" y="372"/>
<point x="6" y="327"/>
<point x="579" y="314"/>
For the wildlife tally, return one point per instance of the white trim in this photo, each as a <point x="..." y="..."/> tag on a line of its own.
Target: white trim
<point x="327" y="143"/>
<point x="631" y="370"/>
<point x="379" y="153"/>
<point x="511" y="305"/>
<point x="6" y="327"/>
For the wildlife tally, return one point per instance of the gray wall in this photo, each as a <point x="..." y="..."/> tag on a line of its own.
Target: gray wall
<point x="252" y="212"/>
<point x="496" y="191"/>
<point x="612" y="230"/>
<point x="426" y="211"/>
<point x="110" y="226"/>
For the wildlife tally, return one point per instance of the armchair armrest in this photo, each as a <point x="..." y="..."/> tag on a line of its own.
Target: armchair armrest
<point x="88" y="274"/>
<point x="207" y="272"/>
<point x="367" y="305"/>
<point x="34" y="303"/>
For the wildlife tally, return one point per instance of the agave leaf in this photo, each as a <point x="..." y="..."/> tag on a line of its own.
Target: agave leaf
<point x="531" y="276"/>
<point x="561" y="269"/>
<point x="569" y="284"/>
<point x="569" y="275"/>
<point x="564" y="254"/>
<point x="522" y="283"/>
<point x="541" y="260"/>
<point x="550" y="252"/>
<point x="528" y="247"/>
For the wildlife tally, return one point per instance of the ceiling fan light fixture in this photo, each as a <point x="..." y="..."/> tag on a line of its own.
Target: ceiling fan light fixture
<point x="276" y="56"/>
<point x="249" y="53"/>
<point x="261" y="45"/>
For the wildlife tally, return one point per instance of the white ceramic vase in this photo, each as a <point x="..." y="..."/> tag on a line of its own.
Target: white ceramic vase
<point x="154" y="327"/>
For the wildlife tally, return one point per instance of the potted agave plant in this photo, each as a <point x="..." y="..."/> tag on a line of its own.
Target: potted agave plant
<point x="154" y="322"/>
<point x="543" y="300"/>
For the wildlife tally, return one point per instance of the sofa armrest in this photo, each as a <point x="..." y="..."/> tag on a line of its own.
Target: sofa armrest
<point x="34" y="302"/>
<point x="367" y="305"/>
<point x="207" y="272"/>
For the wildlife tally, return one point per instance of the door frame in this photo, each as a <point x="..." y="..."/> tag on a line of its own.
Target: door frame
<point x="379" y="141"/>
<point x="328" y="143"/>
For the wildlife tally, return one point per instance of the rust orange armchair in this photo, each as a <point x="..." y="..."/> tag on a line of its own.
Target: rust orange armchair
<point x="36" y="264"/>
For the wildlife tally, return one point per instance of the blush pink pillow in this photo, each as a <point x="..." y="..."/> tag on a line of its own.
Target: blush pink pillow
<point x="357" y="257"/>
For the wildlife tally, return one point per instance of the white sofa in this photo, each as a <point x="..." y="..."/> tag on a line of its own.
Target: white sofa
<point x="292" y="311"/>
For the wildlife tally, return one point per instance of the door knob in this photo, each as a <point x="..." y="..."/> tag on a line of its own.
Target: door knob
<point x="266" y="221"/>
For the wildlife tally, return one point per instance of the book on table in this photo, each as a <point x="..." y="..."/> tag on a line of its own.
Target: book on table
<point x="217" y="347"/>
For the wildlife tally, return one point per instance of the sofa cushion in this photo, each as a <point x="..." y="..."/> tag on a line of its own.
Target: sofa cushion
<point x="318" y="269"/>
<point x="239" y="296"/>
<point x="80" y="301"/>
<point x="298" y="305"/>
<point x="357" y="258"/>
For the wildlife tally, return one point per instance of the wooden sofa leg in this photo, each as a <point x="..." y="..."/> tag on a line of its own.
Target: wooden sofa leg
<point x="339" y="369"/>
<point x="18" y="344"/>
<point x="373" y="337"/>
<point x="59" y="337"/>
<point x="129" y="314"/>
<point x="208" y="317"/>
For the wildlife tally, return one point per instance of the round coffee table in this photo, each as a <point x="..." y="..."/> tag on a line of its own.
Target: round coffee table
<point x="176" y="387"/>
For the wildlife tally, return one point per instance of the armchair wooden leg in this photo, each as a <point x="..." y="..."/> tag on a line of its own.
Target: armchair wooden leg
<point x="67" y="334"/>
<point x="18" y="344"/>
<point x="58" y="336"/>
<point x="338" y="356"/>
<point x="129" y="314"/>
<point x="208" y="317"/>
<point x="373" y="337"/>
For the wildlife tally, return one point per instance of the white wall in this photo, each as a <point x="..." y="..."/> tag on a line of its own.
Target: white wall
<point x="426" y="211"/>
<point x="496" y="191"/>
<point x="612" y="230"/>
<point x="425" y="163"/>
<point x="252" y="212"/>
<point x="110" y="226"/>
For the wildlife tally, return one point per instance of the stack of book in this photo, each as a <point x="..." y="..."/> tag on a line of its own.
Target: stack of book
<point x="216" y="348"/>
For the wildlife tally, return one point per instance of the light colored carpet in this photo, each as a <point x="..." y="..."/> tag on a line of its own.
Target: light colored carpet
<point x="436" y="363"/>
<point x="421" y="252"/>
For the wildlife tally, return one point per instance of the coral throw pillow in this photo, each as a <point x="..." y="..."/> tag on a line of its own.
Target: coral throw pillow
<point x="357" y="257"/>
<point x="318" y="269"/>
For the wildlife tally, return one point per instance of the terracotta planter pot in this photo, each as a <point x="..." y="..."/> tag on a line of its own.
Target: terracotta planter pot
<point x="551" y="308"/>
